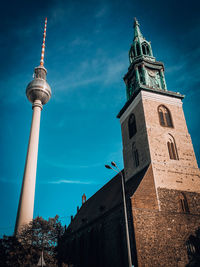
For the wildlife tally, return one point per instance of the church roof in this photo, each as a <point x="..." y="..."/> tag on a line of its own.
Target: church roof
<point x="105" y="199"/>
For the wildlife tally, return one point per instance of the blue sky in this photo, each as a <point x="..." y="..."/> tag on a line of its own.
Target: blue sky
<point x="86" y="57"/>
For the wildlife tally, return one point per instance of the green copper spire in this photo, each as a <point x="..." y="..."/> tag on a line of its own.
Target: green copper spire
<point x="144" y="71"/>
<point x="140" y="47"/>
<point x="137" y="29"/>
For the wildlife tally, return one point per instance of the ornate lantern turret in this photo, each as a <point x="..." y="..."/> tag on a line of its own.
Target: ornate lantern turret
<point x="144" y="70"/>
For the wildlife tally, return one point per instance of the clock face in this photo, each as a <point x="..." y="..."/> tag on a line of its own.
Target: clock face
<point x="151" y="73"/>
<point x="153" y="78"/>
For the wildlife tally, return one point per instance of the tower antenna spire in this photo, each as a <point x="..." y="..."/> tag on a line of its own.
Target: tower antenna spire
<point x="43" y="44"/>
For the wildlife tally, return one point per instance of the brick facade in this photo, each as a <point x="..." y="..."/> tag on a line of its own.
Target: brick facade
<point x="161" y="237"/>
<point x="166" y="204"/>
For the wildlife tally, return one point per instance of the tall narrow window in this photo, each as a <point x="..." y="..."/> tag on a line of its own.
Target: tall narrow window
<point x="133" y="52"/>
<point x="173" y="154"/>
<point x="184" y="203"/>
<point x="138" y="49"/>
<point x="148" y="51"/>
<point x="192" y="247"/>
<point x="132" y="129"/>
<point x="143" y="50"/>
<point x="164" y="116"/>
<point x="141" y="74"/>
<point x="135" y="156"/>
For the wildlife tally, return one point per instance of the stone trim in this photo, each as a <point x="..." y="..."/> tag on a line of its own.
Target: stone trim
<point x="162" y="98"/>
<point x="130" y="108"/>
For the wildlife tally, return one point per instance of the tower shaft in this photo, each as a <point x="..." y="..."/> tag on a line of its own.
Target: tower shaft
<point x="26" y="203"/>
<point x="38" y="93"/>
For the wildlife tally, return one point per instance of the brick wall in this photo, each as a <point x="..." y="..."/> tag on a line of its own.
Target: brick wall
<point x="161" y="236"/>
<point x="182" y="174"/>
<point x="170" y="201"/>
<point x="140" y="139"/>
<point x="145" y="196"/>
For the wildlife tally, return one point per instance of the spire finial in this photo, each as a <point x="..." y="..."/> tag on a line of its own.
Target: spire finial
<point x="136" y="22"/>
<point x="43" y="44"/>
<point x="137" y="29"/>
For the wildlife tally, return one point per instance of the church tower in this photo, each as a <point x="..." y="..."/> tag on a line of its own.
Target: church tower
<point x="166" y="204"/>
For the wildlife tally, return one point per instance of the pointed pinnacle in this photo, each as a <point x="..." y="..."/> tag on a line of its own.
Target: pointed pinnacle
<point x="137" y="29"/>
<point x="135" y="22"/>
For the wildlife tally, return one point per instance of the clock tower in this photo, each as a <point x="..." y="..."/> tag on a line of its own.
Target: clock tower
<point x="165" y="204"/>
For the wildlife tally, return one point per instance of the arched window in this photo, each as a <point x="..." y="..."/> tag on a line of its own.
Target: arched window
<point x="138" y="49"/>
<point x="183" y="203"/>
<point x="132" y="54"/>
<point x="192" y="247"/>
<point x="145" y="49"/>
<point x="133" y="51"/>
<point x="135" y="156"/>
<point x="173" y="154"/>
<point x="148" y="51"/>
<point x="164" y="116"/>
<point x="132" y="129"/>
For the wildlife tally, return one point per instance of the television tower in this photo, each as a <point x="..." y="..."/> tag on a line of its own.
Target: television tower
<point x="38" y="93"/>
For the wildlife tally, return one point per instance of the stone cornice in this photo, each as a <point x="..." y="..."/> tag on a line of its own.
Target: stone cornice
<point x="137" y="96"/>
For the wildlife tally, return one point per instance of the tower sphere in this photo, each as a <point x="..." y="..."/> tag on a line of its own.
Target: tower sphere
<point x="39" y="89"/>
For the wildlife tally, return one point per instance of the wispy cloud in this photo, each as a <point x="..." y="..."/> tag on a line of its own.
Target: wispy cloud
<point x="66" y="181"/>
<point x="71" y="166"/>
<point x="101" y="12"/>
<point x="100" y="68"/>
<point x="56" y="181"/>
<point x="9" y="180"/>
<point x="78" y="41"/>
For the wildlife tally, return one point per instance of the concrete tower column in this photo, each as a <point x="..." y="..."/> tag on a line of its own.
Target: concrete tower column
<point x="38" y="93"/>
<point x="26" y="203"/>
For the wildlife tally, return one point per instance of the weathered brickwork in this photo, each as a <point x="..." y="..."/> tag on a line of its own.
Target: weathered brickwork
<point x="162" y="224"/>
<point x="140" y="139"/>
<point x="170" y="200"/>
<point x="182" y="174"/>
<point x="145" y="196"/>
<point x="161" y="236"/>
